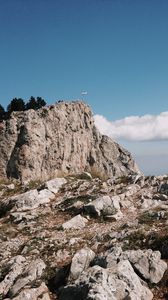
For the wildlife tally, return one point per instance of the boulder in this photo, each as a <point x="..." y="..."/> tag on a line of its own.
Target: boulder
<point x="76" y="222"/>
<point x="26" y="201"/>
<point x="55" y="184"/>
<point x="107" y="284"/>
<point x="31" y="273"/>
<point x="15" y="269"/>
<point x="80" y="262"/>
<point x="147" y="263"/>
<point x="104" y="206"/>
<point x="20" y="273"/>
<point x="149" y="203"/>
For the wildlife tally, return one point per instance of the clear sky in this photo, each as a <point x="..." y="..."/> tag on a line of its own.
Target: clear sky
<point x="117" y="50"/>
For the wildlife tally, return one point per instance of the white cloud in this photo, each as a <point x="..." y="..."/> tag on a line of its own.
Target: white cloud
<point x="135" y="128"/>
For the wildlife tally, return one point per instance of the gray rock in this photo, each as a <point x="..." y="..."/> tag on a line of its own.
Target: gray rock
<point x="76" y="222"/>
<point x="116" y="283"/>
<point x="80" y="262"/>
<point x="131" y="190"/>
<point x="103" y="206"/>
<point x="16" y="265"/>
<point x="17" y="217"/>
<point x="27" y="201"/>
<point x="148" y="263"/>
<point x="44" y="196"/>
<point x="55" y="184"/>
<point x="30" y="273"/>
<point x="39" y="293"/>
<point x="10" y="187"/>
<point x="149" y="203"/>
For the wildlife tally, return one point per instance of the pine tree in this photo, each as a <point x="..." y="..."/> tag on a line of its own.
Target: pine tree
<point x="17" y="104"/>
<point x="2" y="113"/>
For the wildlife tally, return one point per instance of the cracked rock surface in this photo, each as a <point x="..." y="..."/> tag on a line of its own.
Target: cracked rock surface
<point x="68" y="244"/>
<point x="58" y="140"/>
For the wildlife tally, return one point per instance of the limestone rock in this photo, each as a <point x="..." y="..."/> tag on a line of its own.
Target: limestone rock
<point x="59" y="140"/>
<point x="27" y="201"/>
<point x="39" y="293"/>
<point x="20" y="273"/>
<point x="103" y="206"/>
<point x="107" y="284"/>
<point x="55" y="184"/>
<point x="80" y="262"/>
<point x="77" y="222"/>
<point x="148" y="263"/>
<point x="17" y="217"/>
<point x="16" y="265"/>
<point x="32" y="272"/>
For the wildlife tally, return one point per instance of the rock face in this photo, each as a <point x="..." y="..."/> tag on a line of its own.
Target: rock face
<point x="107" y="284"/>
<point x="58" y="140"/>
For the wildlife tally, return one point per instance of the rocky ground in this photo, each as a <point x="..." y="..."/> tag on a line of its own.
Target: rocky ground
<point x="84" y="238"/>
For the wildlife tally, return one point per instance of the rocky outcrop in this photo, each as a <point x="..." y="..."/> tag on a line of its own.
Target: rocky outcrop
<point x="106" y="284"/>
<point x="62" y="239"/>
<point x="58" y="140"/>
<point x="146" y="263"/>
<point x="19" y="275"/>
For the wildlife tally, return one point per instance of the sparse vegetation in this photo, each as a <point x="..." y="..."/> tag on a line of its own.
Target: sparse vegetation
<point x="18" y="104"/>
<point x="150" y="217"/>
<point x="135" y="240"/>
<point x="33" y="184"/>
<point x="123" y="179"/>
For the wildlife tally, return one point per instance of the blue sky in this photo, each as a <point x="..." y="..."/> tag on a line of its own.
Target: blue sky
<point x="117" y="50"/>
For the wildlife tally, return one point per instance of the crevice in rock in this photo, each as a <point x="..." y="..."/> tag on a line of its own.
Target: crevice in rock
<point x="59" y="279"/>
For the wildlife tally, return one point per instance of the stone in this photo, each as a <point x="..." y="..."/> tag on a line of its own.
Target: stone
<point x="148" y="263"/>
<point x="39" y="293"/>
<point x="30" y="273"/>
<point x="16" y="266"/>
<point x="98" y="283"/>
<point x="56" y="141"/>
<point x="131" y="190"/>
<point x="149" y="203"/>
<point x="55" y="184"/>
<point x="135" y="289"/>
<point x="80" y="262"/>
<point x="17" y="217"/>
<point x="76" y="222"/>
<point x="10" y="187"/>
<point x="74" y="241"/>
<point x="28" y="201"/>
<point x="103" y="206"/>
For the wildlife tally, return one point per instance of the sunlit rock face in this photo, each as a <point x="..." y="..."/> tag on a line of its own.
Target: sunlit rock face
<point x="58" y="140"/>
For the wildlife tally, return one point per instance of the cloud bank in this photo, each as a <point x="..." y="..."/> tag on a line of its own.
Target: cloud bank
<point x="135" y="128"/>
